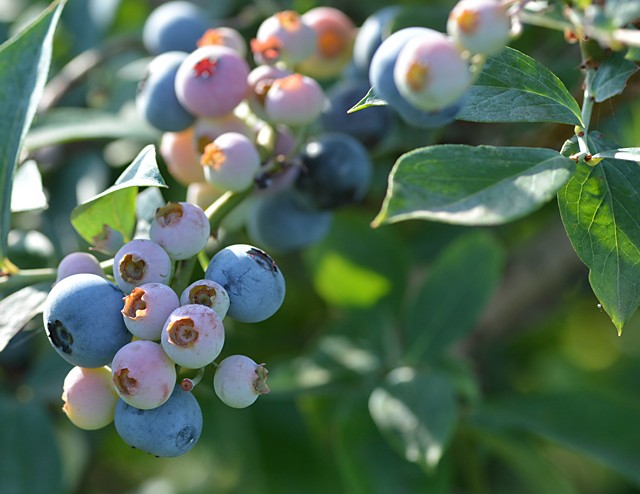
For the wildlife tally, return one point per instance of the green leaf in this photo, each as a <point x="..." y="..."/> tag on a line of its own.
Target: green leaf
<point x="514" y="87"/>
<point x="468" y="185"/>
<point x="19" y="308"/>
<point x="24" y="65"/>
<point x="599" y="207"/>
<point x="611" y="77"/>
<point x="417" y="413"/>
<point x="369" y="99"/>
<point x="629" y="154"/>
<point x="30" y="458"/>
<point x="64" y="125"/>
<point x="108" y="219"/>
<point x="459" y="285"/>
<point x="598" y="425"/>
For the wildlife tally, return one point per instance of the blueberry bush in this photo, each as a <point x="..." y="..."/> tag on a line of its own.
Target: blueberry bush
<point x="319" y="247"/>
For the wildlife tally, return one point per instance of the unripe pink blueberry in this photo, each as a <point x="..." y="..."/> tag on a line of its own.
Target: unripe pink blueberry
<point x="239" y="381"/>
<point x="146" y="309"/>
<point x="193" y="336"/>
<point x="143" y="375"/>
<point x="480" y="26"/>
<point x="140" y="261"/>
<point x="231" y="162"/>
<point x="76" y="263"/>
<point x="260" y="81"/>
<point x="283" y="36"/>
<point x="89" y="397"/>
<point x="206" y="130"/>
<point x="294" y="100"/>
<point x="224" y="36"/>
<point x="335" y="34"/>
<point x="208" y="293"/>
<point x="180" y="154"/>
<point x="211" y="81"/>
<point x="430" y="72"/>
<point x="181" y="229"/>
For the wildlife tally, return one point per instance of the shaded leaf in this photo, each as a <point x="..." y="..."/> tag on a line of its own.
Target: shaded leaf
<point x="24" y="65"/>
<point x="417" y="412"/>
<point x="19" y="308"/>
<point x="611" y="77"/>
<point x="468" y="185"/>
<point x="108" y="219"/>
<point x="30" y="458"/>
<point x="459" y="285"/>
<point x="599" y="207"/>
<point x="514" y="87"/>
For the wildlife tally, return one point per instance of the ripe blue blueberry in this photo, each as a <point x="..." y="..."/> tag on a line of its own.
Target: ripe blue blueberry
<point x="83" y="321"/>
<point x="336" y="171"/>
<point x="252" y="279"/>
<point x="169" y="430"/>
<point x="174" y="26"/>
<point x="373" y="31"/>
<point x="369" y="127"/>
<point x="156" y="100"/>
<point x="279" y="222"/>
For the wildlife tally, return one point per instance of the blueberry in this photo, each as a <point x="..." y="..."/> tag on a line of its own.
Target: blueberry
<point x="252" y="279"/>
<point x="480" y="26"/>
<point x="239" y="381"/>
<point x="170" y="430"/>
<point x="224" y="36"/>
<point x="179" y="152"/>
<point x="336" y="171"/>
<point x="146" y="309"/>
<point x="83" y="321"/>
<point x="381" y="76"/>
<point x="156" y="100"/>
<point x="89" y="397"/>
<point x="369" y="127"/>
<point x="231" y="162"/>
<point x="141" y="261"/>
<point x="373" y="31"/>
<point x="209" y="293"/>
<point x="174" y="26"/>
<point x="76" y="263"/>
<point x="181" y="229"/>
<point x="294" y="100"/>
<point x="283" y="36"/>
<point x="279" y="222"/>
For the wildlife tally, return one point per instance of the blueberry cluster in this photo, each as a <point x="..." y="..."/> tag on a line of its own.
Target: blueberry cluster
<point x="126" y="337"/>
<point x="232" y="122"/>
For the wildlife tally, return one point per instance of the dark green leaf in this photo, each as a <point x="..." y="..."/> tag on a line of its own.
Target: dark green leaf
<point x="593" y="424"/>
<point x="417" y="413"/>
<point x="24" y="65"/>
<point x="370" y="99"/>
<point x="611" y="77"/>
<point x="79" y="124"/>
<point x="467" y="185"/>
<point x="459" y="285"/>
<point x="19" y="308"/>
<point x="30" y="458"/>
<point x="108" y="219"/>
<point x="600" y="209"/>
<point x="514" y="87"/>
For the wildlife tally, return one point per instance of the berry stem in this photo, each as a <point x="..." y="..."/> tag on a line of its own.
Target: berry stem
<point x="223" y="206"/>
<point x="182" y="274"/>
<point x="587" y="100"/>
<point x="189" y="383"/>
<point x="25" y="277"/>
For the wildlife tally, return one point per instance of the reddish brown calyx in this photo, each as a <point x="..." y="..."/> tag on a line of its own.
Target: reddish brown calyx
<point x="467" y="20"/>
<point x="202" y="295"/>
<point x="269" y="50"/>
<point x="134" y="306"/>
<point x="211" y="37"/>
<point x="132" y="270"/>
<point x="206" y="67"/>
<point x="331" y="44"/>
<point x="260" y="384"/>
<point x="212" y="156"/>
<point x="289" y="20"/>
<point x="182" y="332"/>
<point x="169" y="214"/>
<point x="124" y="382"/>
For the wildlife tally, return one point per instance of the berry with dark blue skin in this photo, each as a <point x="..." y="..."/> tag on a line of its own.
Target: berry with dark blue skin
<point x="83" y="321"/>
<point x="336" y="171"/>
<point x="252" y="279"/>
<point x="169" y="430"/>
<point x="373" y="31"/>
<point x="279" y="222"/>
<point x="369" y="127"/>
<point x="174" y="26"/>
<point x="156" y="100"/>
<point x="381" y="77"/>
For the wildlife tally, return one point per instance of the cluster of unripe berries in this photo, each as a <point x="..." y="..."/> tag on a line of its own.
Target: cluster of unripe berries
<point x="126" y="337"/>
<point x="237" y="115"/>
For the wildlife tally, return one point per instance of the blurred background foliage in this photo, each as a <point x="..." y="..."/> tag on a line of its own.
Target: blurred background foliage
<point x="416" y="357"/>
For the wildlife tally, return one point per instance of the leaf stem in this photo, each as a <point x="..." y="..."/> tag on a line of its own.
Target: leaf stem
<point x="25" y="277"/>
